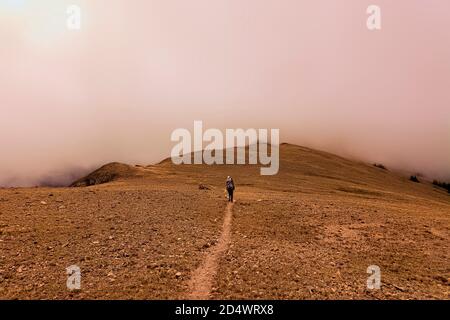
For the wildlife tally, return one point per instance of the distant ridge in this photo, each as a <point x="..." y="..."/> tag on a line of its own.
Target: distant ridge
<point x="302" y="169"/>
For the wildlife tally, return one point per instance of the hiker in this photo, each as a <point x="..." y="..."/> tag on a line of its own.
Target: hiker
<point x="230" y="188"/>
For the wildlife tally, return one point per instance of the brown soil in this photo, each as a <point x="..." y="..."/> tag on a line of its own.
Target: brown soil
<point x="203" y="278"/>
<point x="309" y="232"/>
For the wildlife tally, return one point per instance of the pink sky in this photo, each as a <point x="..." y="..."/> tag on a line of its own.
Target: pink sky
<point x="137" y="70"/>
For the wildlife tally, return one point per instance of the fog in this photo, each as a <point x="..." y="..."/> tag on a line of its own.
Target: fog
<point x="72" y="100"/>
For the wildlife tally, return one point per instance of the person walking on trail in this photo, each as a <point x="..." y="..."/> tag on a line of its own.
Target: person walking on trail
<point x="230" y="188"/>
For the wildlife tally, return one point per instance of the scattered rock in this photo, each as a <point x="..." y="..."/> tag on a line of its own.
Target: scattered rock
<point x="442" y="279"/>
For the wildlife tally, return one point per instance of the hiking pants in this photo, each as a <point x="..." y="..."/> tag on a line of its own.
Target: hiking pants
<point x="230" y="195"/>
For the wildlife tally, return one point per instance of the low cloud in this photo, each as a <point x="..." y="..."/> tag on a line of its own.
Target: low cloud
<point x="114" y="91"/>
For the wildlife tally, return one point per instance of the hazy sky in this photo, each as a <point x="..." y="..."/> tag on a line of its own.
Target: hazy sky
<point x="137" y="70"/>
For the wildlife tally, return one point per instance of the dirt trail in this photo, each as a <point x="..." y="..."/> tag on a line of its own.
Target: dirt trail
<point x="202" y="279"/>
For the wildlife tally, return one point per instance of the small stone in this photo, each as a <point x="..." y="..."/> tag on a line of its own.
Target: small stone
<point x="178" y="274"/>
<point x="43" y="202"/>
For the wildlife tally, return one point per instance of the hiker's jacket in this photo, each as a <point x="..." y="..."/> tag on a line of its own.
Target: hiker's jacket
<point x="230" y="185"/>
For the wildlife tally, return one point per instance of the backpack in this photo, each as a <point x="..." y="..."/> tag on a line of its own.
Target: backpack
<point x="230" y="185"/>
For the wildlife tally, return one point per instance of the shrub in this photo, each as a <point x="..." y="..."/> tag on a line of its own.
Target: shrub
<point x="443" y="185"/>
<point x="379" y="165"/>
<point x="414" y="179"/>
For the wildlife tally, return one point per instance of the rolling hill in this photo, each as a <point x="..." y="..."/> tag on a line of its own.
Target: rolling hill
<point x="150" y="232"/>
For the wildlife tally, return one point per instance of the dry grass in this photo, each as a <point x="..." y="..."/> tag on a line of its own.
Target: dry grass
<point x="308" y="233"/>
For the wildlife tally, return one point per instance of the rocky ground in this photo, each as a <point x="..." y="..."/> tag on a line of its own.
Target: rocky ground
<point x="308" y="233"/>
